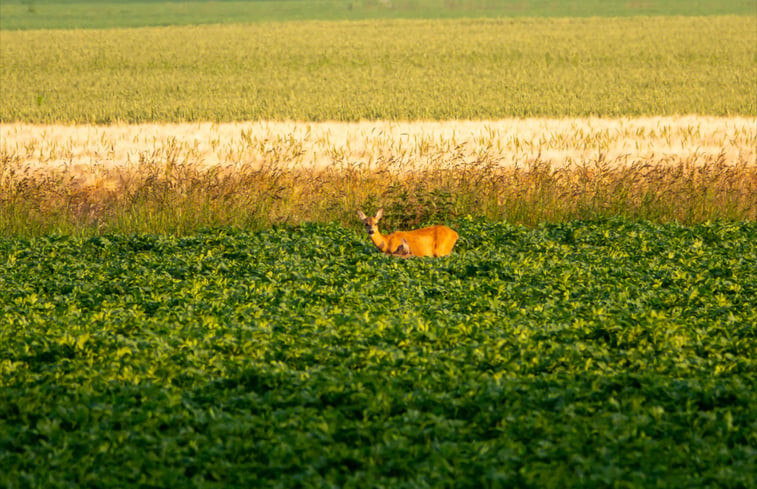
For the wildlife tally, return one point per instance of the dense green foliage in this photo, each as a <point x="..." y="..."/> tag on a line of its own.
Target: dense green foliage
<point x="595" y="354"/>
<point x="383" y="70"/>
<point x="58" y="14"/>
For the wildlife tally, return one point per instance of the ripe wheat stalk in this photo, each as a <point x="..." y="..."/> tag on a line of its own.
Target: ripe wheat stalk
<point x="180" y="177"/>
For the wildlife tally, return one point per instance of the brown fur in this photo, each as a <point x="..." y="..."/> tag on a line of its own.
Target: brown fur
<point x="430" y="241"/>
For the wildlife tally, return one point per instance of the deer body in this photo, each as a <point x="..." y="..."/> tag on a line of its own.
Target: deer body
<point x="430" y="241"/>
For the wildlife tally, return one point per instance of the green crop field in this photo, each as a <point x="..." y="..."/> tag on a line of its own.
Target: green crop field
<point x="588" y="354"/>
<point x="392" y="70"/>
<point x="57" y="14"/>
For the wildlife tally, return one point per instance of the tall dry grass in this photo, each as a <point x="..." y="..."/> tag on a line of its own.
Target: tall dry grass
<point x="178" y="178"/>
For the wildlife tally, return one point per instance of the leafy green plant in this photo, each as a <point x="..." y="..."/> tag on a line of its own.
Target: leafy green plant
<point x="597" y="353"/>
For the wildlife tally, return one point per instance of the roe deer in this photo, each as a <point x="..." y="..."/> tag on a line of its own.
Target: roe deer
<point x="431" y="241"/>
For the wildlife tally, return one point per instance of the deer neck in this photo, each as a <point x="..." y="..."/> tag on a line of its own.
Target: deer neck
<point x="379" y="241"/>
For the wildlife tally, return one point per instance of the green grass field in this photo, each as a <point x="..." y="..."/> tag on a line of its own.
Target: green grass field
<point x="395" y="70"/>
<point x="56" y="14"/>
<point x="587" y="354"/>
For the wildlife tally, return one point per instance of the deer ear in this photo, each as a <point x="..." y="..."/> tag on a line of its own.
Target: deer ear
<point x="361" y="215"/>
<point x="379" y="214"/>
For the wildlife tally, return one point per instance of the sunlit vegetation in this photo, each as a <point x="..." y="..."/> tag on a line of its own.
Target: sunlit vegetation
<point x="395" y="70"/>
<point x="187" y="298"/>
<point x="570" y="355"/>
<point x="126" y="179"/>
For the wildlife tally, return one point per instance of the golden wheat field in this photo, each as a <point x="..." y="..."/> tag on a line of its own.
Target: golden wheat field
<point x="687" y="168"/>
<point x="408" y="145"/>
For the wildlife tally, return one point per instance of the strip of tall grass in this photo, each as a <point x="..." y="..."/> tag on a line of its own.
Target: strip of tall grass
<point x="166" y="194"/>
<point x="56" y="14"/>
<point x="390" y="70"/>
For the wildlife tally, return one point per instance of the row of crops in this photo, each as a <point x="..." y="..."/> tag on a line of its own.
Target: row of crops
<point x="394" y="70"/>
<point x="612" y="353"/>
